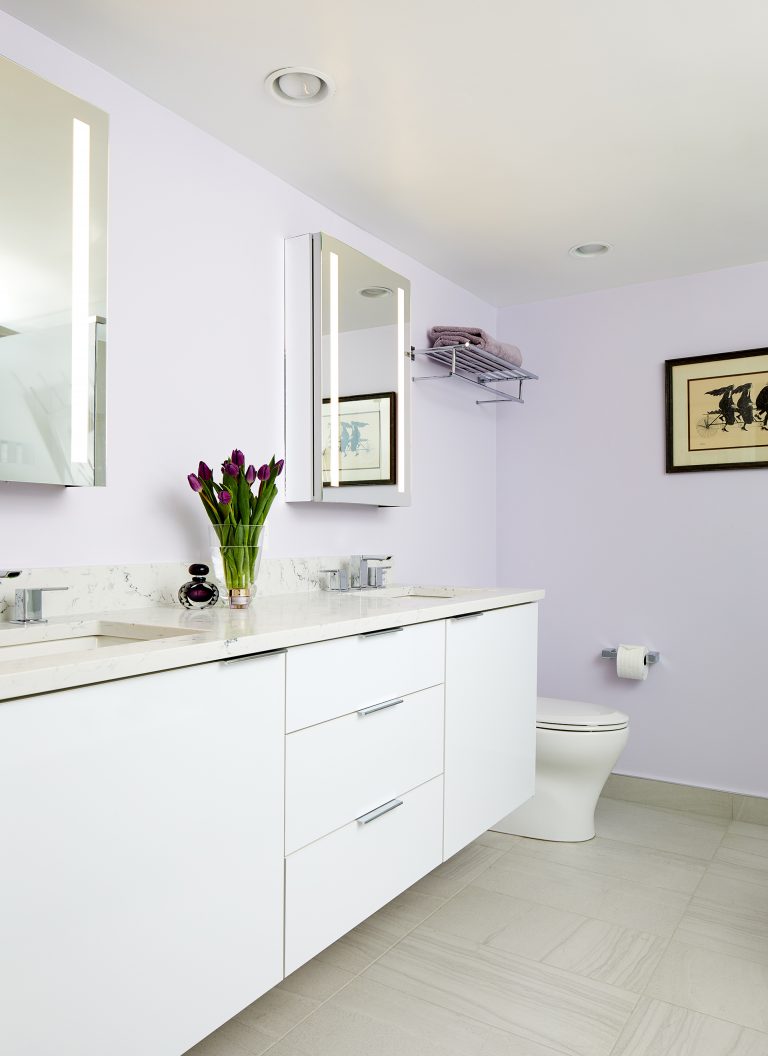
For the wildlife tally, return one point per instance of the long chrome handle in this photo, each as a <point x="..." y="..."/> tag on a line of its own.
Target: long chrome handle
<point x="386" y="630"/>
<point x="252" y="656"/>
<point x="379" y="707"/>
<point x="467" y="615"/>
<point x="385" y="808"/>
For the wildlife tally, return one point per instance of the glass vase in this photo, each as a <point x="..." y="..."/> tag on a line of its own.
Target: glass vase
<point x="236" y="551"/>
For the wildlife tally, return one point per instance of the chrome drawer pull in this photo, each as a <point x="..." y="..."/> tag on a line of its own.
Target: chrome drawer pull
<point x="252" y="656"/>
<point x="379" y="707"/>
<point x="385" y="808"/>
<point x="468" y="616"/>
<point x="374" y="634"/>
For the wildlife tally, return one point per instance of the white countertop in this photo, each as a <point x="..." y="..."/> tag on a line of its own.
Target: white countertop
<point x="275" y="622"/>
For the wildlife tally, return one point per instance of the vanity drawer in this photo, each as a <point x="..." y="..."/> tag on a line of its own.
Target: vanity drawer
<point x="338" y="770"/>
<point x="334" y="883"/>
<point x="328" y="679"/>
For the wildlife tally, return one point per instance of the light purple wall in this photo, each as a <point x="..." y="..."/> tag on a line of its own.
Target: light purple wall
<point x="195" y="360"/>
<point x="626" y="552"/>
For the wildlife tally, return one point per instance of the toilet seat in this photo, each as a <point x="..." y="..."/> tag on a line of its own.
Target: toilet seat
<point x="574" y="716"/>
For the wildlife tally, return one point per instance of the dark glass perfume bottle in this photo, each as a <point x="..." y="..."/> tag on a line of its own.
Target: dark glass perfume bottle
<point x="198" y="593"/>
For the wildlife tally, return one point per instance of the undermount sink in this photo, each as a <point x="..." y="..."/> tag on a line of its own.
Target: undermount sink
<point x="420" y="592"/>
<point x="43" y="640"/>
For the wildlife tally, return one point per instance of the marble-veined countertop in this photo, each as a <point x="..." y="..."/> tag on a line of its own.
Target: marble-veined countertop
<point x="196" y="637"/>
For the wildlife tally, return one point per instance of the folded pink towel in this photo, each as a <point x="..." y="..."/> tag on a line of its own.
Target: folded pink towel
<point x="442" y="336"/>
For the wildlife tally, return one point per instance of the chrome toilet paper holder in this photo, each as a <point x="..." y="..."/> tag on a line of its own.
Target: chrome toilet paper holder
<point x="611" y="654"/>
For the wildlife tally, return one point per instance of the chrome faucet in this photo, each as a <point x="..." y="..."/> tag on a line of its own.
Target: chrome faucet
<point x="28" y="606"/>
<point x="362" y="576"/>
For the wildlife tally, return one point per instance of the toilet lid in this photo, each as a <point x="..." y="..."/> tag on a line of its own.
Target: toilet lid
<point x="552" y="714"/>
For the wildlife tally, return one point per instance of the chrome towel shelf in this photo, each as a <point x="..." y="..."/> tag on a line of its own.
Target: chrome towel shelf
<point x="478" y="367"/>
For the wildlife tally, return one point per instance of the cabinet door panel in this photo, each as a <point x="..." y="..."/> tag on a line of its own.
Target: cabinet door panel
<point x="141" y="878"/>
<point x="490" y="719"/>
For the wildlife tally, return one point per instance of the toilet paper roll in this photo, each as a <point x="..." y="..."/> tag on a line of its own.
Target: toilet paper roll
<point x="632" y="662"/>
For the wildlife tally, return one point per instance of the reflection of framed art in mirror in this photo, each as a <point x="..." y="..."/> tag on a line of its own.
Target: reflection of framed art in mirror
<point x="367" y="439"/>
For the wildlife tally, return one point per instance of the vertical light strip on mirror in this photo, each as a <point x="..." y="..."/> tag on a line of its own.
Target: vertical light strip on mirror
<point x="81" y="248"/>
<point x="333" y="290"/>
<point x="400" y="389"/>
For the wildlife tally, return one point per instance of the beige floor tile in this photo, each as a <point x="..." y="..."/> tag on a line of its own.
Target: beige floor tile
<point x="751" y="809"/>
<point x="747" y="852"/>
<point x="694" y="835"/>
<point x="545" y="1005"/>
<point x="318" y="980"/>
<point x="716" y="984"/>
<point x="669" y="796"/>
<point x="728" y="915"/>
<point x="361" y="946"/>
<point x="610" y="954"/>
<point x="501" y="840"/>
<point x="454" y="874"/>
<point x="658" y="1029"/>
<point x="644" y="865"/>
<point x="746" y="828"/>
<point x="617" y="901"/>
<point x="221" y="1043"/>
<point x="368" y="1019"/>
<point x="513" y="924"/>
<point x="274" y="1014"/>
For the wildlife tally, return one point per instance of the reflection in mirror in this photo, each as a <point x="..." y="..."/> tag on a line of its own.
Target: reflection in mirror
<point x="53" y="279"/>
<point x="364" y="363"/>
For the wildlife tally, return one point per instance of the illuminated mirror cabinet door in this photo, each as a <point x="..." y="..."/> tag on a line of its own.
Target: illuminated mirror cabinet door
<point x="348" y="376"/>
<point x="53" y="283"/>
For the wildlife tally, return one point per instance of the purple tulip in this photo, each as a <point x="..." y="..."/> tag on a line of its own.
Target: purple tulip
<point x="250" y="474"/>
<point x="204" y="472"/>
<point x="279" y="467"/>
<point x="194" y="483"/>
<point x="263" y="472"/>
<point x="238" y="457"/>
<point x="225" y="498"/>
<point x="231" y="469"/>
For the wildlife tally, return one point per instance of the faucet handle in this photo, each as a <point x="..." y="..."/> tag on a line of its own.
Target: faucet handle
<point x="338" y="578"/>
<point x="377" y="576"/>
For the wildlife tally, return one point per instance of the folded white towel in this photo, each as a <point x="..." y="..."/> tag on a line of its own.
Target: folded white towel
<point x="442" y="336"/>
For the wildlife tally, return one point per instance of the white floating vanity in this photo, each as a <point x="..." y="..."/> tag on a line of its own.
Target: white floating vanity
<point x="219" y="797"/>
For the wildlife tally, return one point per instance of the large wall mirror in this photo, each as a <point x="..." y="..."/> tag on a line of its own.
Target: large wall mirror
<point x="53" y="282"/>
<point x="347" y="376"/>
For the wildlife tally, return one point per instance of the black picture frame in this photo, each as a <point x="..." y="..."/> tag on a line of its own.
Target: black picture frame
<point x="706" y="428"/>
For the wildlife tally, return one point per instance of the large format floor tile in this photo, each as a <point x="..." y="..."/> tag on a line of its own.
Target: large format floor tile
<point x="717" y="984"/>
<point x="625" y="861"/>
<point x="658" y="1029"/>
<point x="650" y="940"/>
<point x="545" y="1005"/>
<point x="615" y="900"/>
<point x="695" y="835"/>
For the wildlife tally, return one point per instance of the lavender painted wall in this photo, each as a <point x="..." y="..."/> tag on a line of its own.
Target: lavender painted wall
<point x="196" y="284"/>
<point x="626" y="552"/>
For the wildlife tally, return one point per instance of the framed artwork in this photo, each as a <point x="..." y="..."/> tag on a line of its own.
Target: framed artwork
<point x="367" y="440"/>
<point x="717" y="411"/>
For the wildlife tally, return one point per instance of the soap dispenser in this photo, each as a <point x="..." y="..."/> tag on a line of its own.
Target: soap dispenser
<point x="198" y="593"/>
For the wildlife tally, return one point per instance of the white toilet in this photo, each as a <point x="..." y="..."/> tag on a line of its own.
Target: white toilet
<point x="577" y="745"/>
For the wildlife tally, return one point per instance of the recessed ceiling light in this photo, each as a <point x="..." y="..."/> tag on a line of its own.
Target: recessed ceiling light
<point x="299" y="86"/>
<point x="590" y="249"/>
<point x="375" y="291"/>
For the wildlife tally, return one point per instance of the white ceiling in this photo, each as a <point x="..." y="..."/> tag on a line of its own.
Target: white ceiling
<point x="483" y="138"/>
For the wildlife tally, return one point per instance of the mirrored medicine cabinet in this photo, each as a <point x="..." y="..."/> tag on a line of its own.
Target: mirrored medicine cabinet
<point x="53" y="282"/>
<point x="347" y="376"/>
